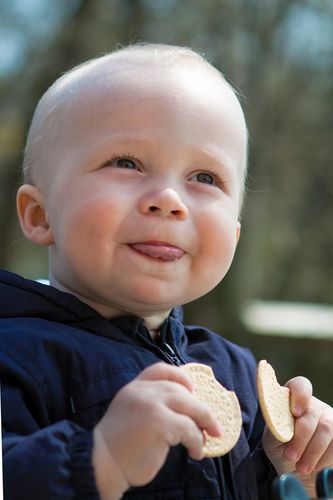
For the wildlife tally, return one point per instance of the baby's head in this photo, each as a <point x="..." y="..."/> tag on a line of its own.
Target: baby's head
<point x="135" y="169"/>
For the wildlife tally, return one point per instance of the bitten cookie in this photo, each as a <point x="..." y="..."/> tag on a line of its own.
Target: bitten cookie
<point x="224" y="404"/>
<point x="274" y="401"/>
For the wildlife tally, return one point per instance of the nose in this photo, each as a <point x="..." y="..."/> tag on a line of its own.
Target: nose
<point x="165" y="203"/>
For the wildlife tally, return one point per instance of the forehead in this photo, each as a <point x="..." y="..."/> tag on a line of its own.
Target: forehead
<point x="139" y="71"/>
<point x="128" y="93"/>
<point x="123" y="87"/>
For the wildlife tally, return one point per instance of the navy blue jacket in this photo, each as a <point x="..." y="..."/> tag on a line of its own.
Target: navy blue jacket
<point x="61" y="363"/>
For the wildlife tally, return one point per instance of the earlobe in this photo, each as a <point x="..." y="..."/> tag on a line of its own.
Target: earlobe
<point x="238" y="231"/>
<point x="32" y="215"/>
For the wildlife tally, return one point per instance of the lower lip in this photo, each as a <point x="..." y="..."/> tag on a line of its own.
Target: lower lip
<point x="158" y="251"/>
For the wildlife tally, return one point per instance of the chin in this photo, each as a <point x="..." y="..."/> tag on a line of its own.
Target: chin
<point x="154" y="294"/>
<point x="155" y="305"/>
<point x="159" y="302"/>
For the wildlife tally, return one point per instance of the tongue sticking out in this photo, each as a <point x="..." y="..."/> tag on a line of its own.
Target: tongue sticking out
<point x="160" y="251"/>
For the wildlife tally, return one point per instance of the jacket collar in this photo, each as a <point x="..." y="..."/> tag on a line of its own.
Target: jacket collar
<point x="21" y="297"/>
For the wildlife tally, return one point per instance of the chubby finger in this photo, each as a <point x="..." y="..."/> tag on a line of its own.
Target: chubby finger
<point x="306" y="427"/>
<point x="326" y="460"/>
<point x="164" y="371"/>
<point x="185" y="403"/>
<point x="183" y="430"/>
<point x="319" y="451"/>
<point x="300" y="395"/>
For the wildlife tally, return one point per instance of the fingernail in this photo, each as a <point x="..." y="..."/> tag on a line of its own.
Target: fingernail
<point x="303" y="468"/>
<point x="220" y="429"/>
<point x="297" y="410"/>
<point x="291" y="454"/>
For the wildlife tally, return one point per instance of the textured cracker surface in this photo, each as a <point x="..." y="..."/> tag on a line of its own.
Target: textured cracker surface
<point x="274" y="402"/>
<point x="224" y="404"/>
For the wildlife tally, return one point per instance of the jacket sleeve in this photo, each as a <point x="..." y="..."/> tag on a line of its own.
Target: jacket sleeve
<point x="41" y="459"/>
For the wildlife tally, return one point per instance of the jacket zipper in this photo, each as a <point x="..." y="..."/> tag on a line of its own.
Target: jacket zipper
<point x="170" y="354"/>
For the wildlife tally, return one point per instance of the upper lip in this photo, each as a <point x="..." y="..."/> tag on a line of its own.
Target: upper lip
<point x="157" y="243"/>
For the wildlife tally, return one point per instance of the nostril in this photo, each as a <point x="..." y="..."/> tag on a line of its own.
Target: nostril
<point x="153" y="209"/>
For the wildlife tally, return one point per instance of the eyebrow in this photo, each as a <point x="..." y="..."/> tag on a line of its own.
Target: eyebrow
<point x="217" y="157"/>
<point x="213" y="154"/>
<point x="118" y="141"/>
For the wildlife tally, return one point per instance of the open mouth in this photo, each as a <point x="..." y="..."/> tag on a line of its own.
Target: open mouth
<point x="158" y="250"/>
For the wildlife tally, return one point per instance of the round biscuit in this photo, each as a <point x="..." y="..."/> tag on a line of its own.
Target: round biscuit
<point x="274" y="401"/>
<point x="224" y="404"/>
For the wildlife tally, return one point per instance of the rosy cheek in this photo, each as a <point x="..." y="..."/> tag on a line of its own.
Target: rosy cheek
<point x="218" y="243"/>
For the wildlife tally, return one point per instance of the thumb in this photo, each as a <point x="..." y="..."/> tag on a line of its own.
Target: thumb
<point x="300" y="395"/>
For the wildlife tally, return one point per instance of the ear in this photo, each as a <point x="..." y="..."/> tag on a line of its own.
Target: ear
<point x="32" y="215"/>
<point x="238" y="231"/>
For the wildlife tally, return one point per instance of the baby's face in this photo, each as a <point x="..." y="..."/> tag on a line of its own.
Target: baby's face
<point x="144" y="203"/>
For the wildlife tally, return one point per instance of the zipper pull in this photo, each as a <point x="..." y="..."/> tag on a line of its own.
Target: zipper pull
<point x="170" y="354"/>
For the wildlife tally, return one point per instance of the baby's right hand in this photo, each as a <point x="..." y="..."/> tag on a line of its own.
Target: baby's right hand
<point x="149" y="415"/>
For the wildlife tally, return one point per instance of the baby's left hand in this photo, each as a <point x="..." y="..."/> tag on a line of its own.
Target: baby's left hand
<point x="311" y="447"/>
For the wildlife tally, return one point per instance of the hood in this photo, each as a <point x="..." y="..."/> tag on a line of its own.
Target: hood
<point x="21" y="297"/>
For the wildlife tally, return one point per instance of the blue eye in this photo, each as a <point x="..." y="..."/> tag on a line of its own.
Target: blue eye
<point x="126" y="163"/>
<point x="205" y="178"/>
<point x="123" y="162"/>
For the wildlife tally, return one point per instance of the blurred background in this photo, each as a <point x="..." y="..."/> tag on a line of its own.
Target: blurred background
<point x="277" y="298"/>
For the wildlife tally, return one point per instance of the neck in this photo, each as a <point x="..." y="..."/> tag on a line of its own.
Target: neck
<point x="152" y="320"/>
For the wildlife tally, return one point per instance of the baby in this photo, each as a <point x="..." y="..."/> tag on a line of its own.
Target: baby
<point x="134" y="172"/>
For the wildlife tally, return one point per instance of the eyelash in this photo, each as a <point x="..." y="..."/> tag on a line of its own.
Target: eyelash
<point x="217" y="182"/>
<point x="121" y="157"/>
